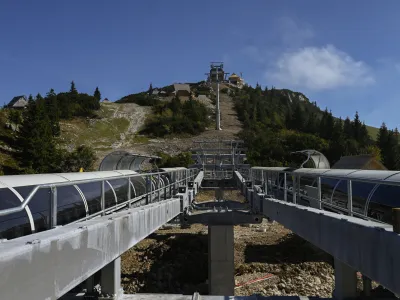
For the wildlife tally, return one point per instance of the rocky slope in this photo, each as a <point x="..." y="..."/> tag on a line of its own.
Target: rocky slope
<point x="118" y="125"/>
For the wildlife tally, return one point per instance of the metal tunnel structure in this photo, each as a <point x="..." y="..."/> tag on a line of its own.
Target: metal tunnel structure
<point x="124" y="160"/>
<point x="373" y="193"/>
<point x="60" y="199"/>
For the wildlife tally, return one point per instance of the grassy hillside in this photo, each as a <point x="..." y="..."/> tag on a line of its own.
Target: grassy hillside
<point x="373" y="132"/>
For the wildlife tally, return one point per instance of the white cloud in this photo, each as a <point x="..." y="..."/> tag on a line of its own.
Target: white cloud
<point x="319" y="69"/>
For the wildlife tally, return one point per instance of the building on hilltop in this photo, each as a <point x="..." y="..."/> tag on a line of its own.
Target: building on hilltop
<point x="105" y="100"/>
<point x="154" y="92"/>
<point x="216" y="72"/>
<point x="236" y="80"/>
<point x="361" y="162"/>
<point x="18" y="102"/>
<point x="182" y="90"/>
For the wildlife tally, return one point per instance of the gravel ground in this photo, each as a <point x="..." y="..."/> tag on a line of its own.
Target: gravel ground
<point x="174" y="260"/>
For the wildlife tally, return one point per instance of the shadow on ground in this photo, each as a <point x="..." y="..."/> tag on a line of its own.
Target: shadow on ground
<point x="177" y="263"/>
<point x="291" y="249"/>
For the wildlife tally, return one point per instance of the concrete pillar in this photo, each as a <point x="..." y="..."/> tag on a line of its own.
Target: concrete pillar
<point x="219" y="194"/>
<point x="110" y="280"/>
<point x="221" y="268"/>
<point x="345" y="281"/>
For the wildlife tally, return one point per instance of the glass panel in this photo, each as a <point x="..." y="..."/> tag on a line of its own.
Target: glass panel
<point x="14" y="225"/>
<point x="70" y="205"/>
<point x="360" y="191"/>
<point x="305" y="181"/>
<point x="125" y="162"/>
<point x="121" y="189"/>
<point x="382" y="201"/>
<point x="139" y="184"/>
<point x="340" y="196"/>
<point x="109" y="196"/>
<point x="327" y="186"/>
<point x="39" y="206"/>
<point x="92" y="192"/>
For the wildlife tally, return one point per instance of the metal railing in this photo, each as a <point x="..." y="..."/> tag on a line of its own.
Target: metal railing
<point x="220" y="174"/>
<point x="155" y="189"/>
<point x="268" y="180"/>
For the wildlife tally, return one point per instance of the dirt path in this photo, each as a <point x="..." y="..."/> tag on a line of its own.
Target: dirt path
<point x="136" y="115"/>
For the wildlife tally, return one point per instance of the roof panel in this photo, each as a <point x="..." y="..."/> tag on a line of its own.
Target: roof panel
<point x="310" y="171"/>
<point x="276" y="169"/>
<point x="372" y="174"/>
<point x="105" y="174"/>
<point x="31" y="179"/>
<point x="340" y="172"/>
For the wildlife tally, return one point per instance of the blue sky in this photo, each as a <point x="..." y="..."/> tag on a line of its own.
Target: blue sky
<point x="343" y="54"/>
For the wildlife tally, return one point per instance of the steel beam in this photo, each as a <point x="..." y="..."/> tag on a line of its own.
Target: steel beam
<point x="366" y="246"/>
<point x="51" y="263"/>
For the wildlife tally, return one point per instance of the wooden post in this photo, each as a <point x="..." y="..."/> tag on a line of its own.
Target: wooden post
<point x="396" y="219"/>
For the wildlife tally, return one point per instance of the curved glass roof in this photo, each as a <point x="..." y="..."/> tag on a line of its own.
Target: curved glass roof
<point x="39" y="179"/>
<point x="124" y="160"/>
<point x="384" y="175"/>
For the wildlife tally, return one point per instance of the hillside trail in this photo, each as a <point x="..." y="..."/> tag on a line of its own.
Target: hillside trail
<point x="134" y="113"/>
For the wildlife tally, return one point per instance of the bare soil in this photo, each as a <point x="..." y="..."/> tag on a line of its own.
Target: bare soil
<point x="175" y="260"/>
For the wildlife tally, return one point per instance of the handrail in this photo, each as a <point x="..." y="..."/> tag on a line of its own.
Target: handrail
<point x="295" y="189"/>
<point x="26" y="201"/>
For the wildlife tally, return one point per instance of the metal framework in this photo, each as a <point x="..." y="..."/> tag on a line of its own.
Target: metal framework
<point x="219" y="158"/>
<point x="317" y="158"/>
<point x="33" y="203"/>
<point x="95" y="216"/>
<point x="356" y="244"/>
<point x="366" y="194"/>
<point x="217" y="75"/>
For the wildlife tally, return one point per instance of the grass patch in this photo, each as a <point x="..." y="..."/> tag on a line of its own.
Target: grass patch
<point x="373" y="132"/>
<point x="138" y="139"/>
<point x="95" y="132"/>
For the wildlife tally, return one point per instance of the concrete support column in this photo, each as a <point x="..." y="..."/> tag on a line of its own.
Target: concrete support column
<point x="219" y="194"/>
<point x="221" y="268"/>
<point x="345" y="281"/>
<point x="110" y="280"/>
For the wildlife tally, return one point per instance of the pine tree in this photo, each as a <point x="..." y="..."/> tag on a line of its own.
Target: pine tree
<point x="53" y="112"/>
<point x="73" y="90"/>
<point x="364" y="138"/>
<point x="297" y="121"/>
<point x="312" y="124"/>
<point x="382" y="137"/>
<point x="391" y="152"/>
<point x="329" y="125"/>
<point x="97" y="94"/>
<point x="348" y="128"/>
<point x="356" y="125"/>
<point x="337" y="133"/>
<point x="35" y="144"/>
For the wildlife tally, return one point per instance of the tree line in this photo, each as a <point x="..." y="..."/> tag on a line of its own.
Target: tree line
<point x="279" y="122"/>
<point x="35" y="143"/>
